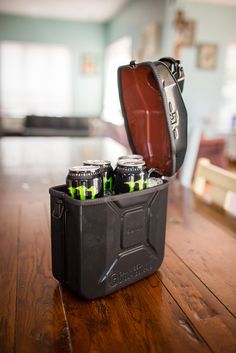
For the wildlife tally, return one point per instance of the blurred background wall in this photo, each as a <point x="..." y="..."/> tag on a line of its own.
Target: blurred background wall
<point x="201" y="33"/>
<point x="80" y="38"/>
<point x="204" y="89"/>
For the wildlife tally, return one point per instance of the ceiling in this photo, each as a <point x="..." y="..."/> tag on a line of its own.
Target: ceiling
<point x="80" y="10"/>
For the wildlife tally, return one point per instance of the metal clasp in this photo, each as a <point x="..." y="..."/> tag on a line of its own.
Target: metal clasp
<point x="132" y="63"/>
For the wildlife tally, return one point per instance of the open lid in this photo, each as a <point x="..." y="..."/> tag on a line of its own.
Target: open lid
<point x="154" y="112"/>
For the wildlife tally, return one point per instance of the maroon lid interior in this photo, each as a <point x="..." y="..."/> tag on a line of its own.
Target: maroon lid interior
<point x="146" y="123"/>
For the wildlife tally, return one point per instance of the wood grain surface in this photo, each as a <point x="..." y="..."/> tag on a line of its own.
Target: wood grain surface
<point x="40" y="320"/>
<point x="205" y="248"/>
<point x="143" y="317"/>
<point x="8" y="275"/>
<point x="189" y="305"/>
<point x="204" y="310"/>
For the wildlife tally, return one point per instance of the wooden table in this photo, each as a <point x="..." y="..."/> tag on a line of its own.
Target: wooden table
<point x="189" y="305"/>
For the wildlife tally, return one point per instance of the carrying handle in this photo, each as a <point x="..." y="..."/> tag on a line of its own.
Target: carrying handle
<point x="58" y="209"/>
<point x="176" y="69"/>
<point x="58" y="238"/>
<point x="174" y="66"/>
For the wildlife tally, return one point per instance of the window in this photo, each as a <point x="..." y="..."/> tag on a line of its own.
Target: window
<point x="228" y="108"/>
<point x="117" y="54"/>
<point x="34" y="79"/>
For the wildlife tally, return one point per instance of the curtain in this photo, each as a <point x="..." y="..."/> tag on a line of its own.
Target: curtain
<point x="34" y="79"/>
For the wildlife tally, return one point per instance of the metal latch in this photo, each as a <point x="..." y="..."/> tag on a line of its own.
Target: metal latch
<point x="176" y="69"/>
<point x="132" y="63"/>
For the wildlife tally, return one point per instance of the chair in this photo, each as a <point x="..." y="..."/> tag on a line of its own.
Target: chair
<point x="214" y="150"/>
<point x="222" y="183"/>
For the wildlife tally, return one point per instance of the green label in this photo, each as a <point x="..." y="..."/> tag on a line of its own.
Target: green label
<point x="82" y="191"/>
<point x="140" y="183"/>
<point x="72" y="191"/>
<point x="105" y="181"/>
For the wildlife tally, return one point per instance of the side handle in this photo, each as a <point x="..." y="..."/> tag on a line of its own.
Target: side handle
<point x="58" y="238"/>
<point x="58" y="209"/>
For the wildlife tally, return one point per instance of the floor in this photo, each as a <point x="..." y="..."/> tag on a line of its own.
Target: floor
<point x="189" y="305"/>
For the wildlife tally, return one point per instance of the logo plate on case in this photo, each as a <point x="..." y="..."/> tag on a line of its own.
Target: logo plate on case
<point x="174" y="120"/>
<point x="120" y="277"/>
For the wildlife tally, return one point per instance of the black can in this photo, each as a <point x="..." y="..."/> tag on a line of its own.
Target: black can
<point x="131" y="175"/>
<point x="106" y="171"/>
<point x="84" y="182"/>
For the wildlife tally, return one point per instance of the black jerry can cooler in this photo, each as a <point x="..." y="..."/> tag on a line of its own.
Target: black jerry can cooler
<point x="102" y="245"/>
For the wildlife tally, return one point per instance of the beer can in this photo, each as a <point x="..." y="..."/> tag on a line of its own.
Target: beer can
<point x="132" y="156"/>
<point x="106" y="171"/>
<point x="131" y="175"/>
<point x="153" y="181"/>
<point x="84" y="182"/>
